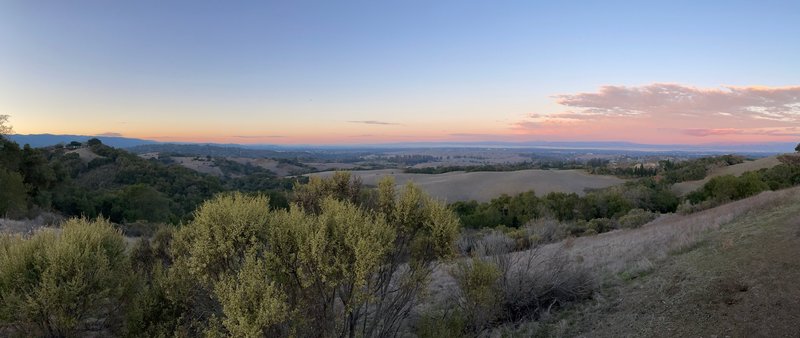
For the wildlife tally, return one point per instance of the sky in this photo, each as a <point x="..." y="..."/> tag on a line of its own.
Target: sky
<point x="367" y="72"/>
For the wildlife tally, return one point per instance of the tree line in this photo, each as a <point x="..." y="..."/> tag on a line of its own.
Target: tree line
<point x="117" y="184"/>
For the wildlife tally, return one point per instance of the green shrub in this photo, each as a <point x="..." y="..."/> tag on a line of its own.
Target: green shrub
<point x="65" y="284"/>
<point x="600" y="225"/>
<point x="729" y="188"/>
<point x="441" y="323"/>
<point x="480" y="296"/>
<point x="636" y="218"/>
<point x="253" y="305"/>
<point x="13" y="194"/>
<point x="241" y="269"/>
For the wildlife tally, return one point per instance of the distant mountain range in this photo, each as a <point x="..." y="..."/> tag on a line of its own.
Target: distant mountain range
<point x="43" y="140"/>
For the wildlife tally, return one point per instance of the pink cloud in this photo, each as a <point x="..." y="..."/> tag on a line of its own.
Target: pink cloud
<point x="732" y="131"/>
<point x="768" y="103"/>
<point x="665" y="112"/>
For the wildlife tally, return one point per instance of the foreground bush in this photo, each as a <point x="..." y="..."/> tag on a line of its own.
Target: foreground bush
<point x="64" y="284"/>
<point x="335" y="269"/>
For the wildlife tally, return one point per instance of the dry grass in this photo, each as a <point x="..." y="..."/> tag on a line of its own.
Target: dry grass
<point x="615" y="251"/>
<point x="28" y="226"/>
<point x="684" y="188"/>
<point x="199" y="164"/>
<point x="280" y="169"/>
<point x="632" y="250"/>
<point x="85" y="154"/>
<point x="483" y="186"/>
<point x="741" y="281"/>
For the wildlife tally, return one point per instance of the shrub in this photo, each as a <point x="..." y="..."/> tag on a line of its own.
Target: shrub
<point x="333" y="269"/>
<point x="533" y="285"/>
<point x="729" y="188"/>
<point x="253" y="305"/>
<point x="507" y="288"/>
<point x="600" y="225"/>
<point x="441" y="323"/>
<point x="547" y="230"/>
<point x="479" y="295"/>
<point x="65" y="284"/>
<point x="636" y="218"/>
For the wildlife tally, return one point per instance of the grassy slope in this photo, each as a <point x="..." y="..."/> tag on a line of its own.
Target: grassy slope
<point x="483" y="186"/>
<point x="739" y="281"/>
<point x="684" y="188"/>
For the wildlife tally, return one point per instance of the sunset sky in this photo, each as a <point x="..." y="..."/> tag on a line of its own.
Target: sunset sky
<point x="347" y="72"/>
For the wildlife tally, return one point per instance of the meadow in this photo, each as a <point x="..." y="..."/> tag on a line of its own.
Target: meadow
<point x="483" y="186"/>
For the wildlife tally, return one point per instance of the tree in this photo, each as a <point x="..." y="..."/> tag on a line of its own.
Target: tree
<point x="140" y="202"/>
<point x="797" y="149"/>
<point x="94" y="142"/>
<point x="5" y="128"/>
<point x="13" y="194"/>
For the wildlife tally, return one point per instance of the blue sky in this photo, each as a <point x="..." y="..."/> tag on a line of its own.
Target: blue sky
<point x="302" y="71"/>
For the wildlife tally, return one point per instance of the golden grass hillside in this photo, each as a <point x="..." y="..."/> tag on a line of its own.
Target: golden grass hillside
<point x="680" y="275"/>
<point x="483" y="186"/>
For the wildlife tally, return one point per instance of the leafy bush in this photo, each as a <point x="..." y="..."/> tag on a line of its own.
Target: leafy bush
<point x="64" y="284"/>
<point x="13" y="194"/>
<point x="333" y="269"/>
<point x="636" y="218"/>
<point x="729" y="188"/>
<point x="600" y="225"/>
<point x="479" y="296"/>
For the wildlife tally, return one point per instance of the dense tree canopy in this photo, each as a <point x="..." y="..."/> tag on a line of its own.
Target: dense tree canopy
<point x="119" y="185"/>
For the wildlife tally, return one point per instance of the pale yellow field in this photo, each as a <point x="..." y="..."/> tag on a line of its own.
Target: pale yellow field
<point x="199" y="164"/>
<point x="483" y="186"/>
<point x="85" y="154"/>
<point x="280" y="169"/>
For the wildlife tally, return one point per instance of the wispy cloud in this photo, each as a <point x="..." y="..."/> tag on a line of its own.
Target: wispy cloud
<point x="110" y="134"/>
<point x="373" y="122"/>
<point x="733" y="131"/>
<point x="663" y="111"/>
<point x="475" y="135"/>
<point x="768" y="103"/>
<point x="257" y="136"/>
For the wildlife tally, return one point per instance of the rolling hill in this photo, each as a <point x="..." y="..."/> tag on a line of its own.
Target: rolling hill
<point x="684" y="188"/>
<point x="483" y="186"/>
<point x="44" y="140"/>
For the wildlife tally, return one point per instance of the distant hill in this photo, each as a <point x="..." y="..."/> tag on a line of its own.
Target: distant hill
<point x="741" y="148"/>
<point x="295" y="151"/>
<point x="44" y="140"/>
<point x="215" y="151"/>
<point x="484" y="186"/>
<point x="683" y="188"/>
